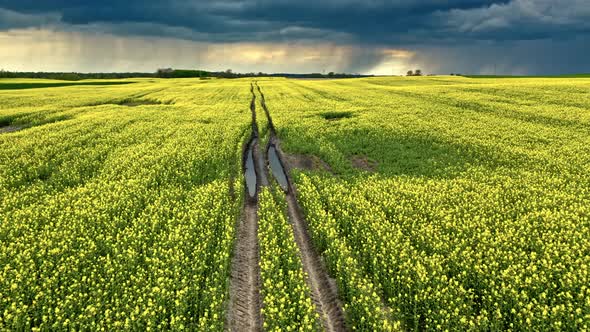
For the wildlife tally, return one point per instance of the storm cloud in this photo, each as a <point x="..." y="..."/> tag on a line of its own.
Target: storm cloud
<point x="351" y="35"/>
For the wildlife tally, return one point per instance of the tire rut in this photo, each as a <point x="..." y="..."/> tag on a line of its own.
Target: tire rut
<point x="323" y="288"/>
<point x="244" y="312"/>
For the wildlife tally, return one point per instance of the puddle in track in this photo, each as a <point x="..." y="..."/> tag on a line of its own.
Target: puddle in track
<point x="250" y="170"/>
<point x="244" y="312"/>
<point x="278" y="171"/>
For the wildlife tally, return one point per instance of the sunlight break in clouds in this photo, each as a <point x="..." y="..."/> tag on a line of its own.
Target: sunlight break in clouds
<point x="50" y="50"/>
<point x="395" y="62"/>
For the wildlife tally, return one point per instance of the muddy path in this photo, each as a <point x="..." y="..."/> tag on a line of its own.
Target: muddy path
<point x="245" y="302"/>
<point x="9" y="129"/>
<point x="323" y="288"/>
<point x="244" y="312"/>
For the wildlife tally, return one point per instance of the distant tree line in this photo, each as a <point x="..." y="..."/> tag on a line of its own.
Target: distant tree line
<point x="71" y="76"/>
<point x="319" y="75"/>
<point x="165" y="73"/>
<point x="171" y="73"/>
<point x="181" y="73"/>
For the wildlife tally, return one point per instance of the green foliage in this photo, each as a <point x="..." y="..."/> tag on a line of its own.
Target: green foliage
<point x="182" y="73"/>
<point x="336" y="115"/>
<point x="477" y="216"/>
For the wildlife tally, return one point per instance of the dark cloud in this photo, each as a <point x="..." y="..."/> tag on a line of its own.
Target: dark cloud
<point x="446" y="26"/>
<point x="531" y="57"/>
<point x="371" y="22"/>
<point x="14" y="20"/>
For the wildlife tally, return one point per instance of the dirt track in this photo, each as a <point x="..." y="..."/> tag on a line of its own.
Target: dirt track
<point x="245" y="301"/>
<point x="244" y="313"/>
<point x="323" y="288"/>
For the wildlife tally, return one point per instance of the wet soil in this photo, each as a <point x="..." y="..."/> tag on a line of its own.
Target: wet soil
<point x="278" y="171"/>
<point x="250" y="171"/>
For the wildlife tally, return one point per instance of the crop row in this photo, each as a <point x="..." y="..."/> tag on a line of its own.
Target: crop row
<point x="286" y="297"/>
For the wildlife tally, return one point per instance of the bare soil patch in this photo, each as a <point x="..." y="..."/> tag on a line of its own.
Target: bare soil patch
<point x="363" y="163"/>
<point x="306" y="162"/>
<point x="9" y="129"/>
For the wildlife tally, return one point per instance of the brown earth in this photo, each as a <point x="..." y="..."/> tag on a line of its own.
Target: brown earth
<point x="306" y="162"/>
<point x="245" y="302"/>
<point x="9" y="129"/>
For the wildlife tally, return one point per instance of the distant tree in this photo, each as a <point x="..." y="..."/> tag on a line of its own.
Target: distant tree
<point x="229" y="72"/>
<point x="165" y="72"/>
<point x="418" y="72"/>
<point x="330" y="74"/>
<point x="410" y="73"/>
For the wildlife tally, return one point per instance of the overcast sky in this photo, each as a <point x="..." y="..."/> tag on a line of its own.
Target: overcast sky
<point x="357" y="36"/>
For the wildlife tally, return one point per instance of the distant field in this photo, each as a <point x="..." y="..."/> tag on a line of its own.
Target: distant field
<point x="433" y="203"/>
<point x="511" y="76"/>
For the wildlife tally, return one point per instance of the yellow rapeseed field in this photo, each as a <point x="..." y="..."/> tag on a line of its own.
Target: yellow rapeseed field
<point x="436" y="203"/>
